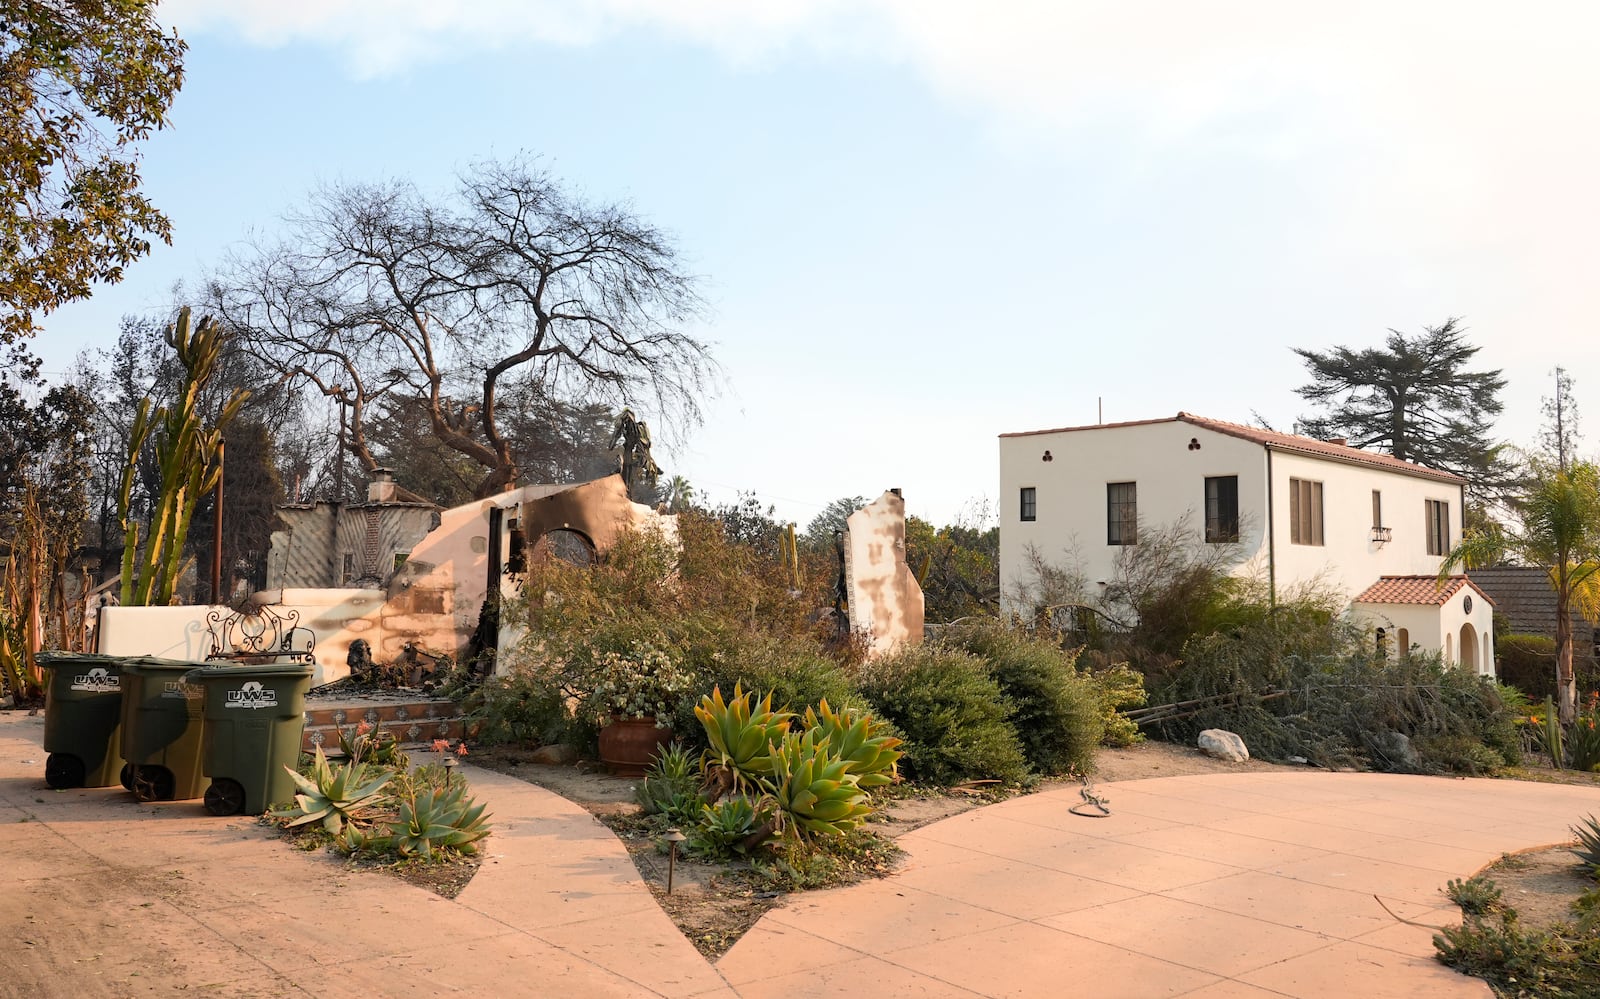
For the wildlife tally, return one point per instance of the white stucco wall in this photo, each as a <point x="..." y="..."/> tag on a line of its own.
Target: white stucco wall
<point x="1071" y="504"/>
<point x="1428" y="627"/>
<point x="335" y="617"/>
<point x="1348" y="560"/>
<point x="1071" y="491"/>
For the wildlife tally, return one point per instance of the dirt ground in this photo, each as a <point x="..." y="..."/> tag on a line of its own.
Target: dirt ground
<point x="1541" y="884"/>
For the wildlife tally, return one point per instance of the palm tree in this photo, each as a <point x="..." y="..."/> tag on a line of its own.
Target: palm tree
<point x="679" y="494"/>
<point x="1560" y="531"/>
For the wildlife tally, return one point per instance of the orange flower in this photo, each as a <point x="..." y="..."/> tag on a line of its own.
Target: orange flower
<point x="441" y="745"/>
<point x="461" y="750"/>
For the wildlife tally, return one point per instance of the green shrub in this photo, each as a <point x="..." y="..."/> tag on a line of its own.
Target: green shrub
<point x="1120" y="688"/>
<point x="1476" y="895"/>
<point x="525" y="708"/>
<point x="1054" y="711"/>
<point x="951" y="712"/>
<point x="797" y="673"/>
<point x="1302" y="683"/>
<point x="1562" y="962"/>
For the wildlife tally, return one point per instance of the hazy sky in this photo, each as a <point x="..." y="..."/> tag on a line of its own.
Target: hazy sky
<point x="923" y="223"/>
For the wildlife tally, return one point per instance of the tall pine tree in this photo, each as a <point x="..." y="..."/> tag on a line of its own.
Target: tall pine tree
<point x="1413" y="398"/>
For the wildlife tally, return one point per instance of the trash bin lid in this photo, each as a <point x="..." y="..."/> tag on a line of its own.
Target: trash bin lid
<point x="51" y="658"/>
<point x="214" y="671"/>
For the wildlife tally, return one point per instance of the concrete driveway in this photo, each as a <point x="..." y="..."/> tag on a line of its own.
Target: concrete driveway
<point x="1248" y="885"/>
<point x="1244" y="886"/>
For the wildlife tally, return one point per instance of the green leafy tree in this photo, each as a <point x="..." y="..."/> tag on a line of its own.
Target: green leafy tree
<point x="1559" y="530"/>
<point x="818" y="535"/>
<point x="958" y="567"/>
<point x="1414" y="398"/>
<point x="82" y="82"/>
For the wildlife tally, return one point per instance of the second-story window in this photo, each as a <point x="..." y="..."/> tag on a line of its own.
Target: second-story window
<point x="1122" y="513"/>
<point x="1438" y="526"/>
<point x="1305" y="512"/>
<point x="1222" y="508"/>
<point x="1030" y="503"/>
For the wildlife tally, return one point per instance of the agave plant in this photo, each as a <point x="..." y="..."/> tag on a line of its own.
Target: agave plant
<point x="1588" y="848"/>
<point x="742" y="736"/>
<point x="816" y="789"/>
<point x="859" y="740"/>
<point x="733" y="825"/>
<point x="670" y="786"/>
<point x="443" y="818"/>
<point x="335" y="795"/>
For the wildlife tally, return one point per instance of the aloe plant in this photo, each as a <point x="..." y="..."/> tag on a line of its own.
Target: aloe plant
<point x="815" y="788"/>
<point x="860" y="740"/>
<point x="377" y="746"/>
<point x="733" y="825"/>
<point x="1588" y="848"/>
<point x="742" y="736"/>
<point x="336" y="795"/>
<point x="443" y="818"/>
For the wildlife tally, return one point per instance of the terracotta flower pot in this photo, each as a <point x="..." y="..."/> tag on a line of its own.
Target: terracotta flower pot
<point x="628" y="745"/>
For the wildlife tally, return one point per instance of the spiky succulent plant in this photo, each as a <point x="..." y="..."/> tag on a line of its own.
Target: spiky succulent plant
<point x="815" y="788"/>
<point x="442" y="818"/>
<point x="742" y="734"/>
<point x="334" y="795"/>
<point x="859" y="740"/>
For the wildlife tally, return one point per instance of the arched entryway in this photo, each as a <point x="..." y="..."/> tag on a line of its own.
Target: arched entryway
<point x="1469" y="647"/>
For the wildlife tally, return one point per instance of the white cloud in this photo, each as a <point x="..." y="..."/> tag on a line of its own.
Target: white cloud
<point x="1443" y="144"/>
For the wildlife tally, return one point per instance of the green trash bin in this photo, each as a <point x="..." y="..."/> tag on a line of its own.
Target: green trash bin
<point x="255" y="716"/>
<point x="82" y="719"/>
<point x="163" y="722"/>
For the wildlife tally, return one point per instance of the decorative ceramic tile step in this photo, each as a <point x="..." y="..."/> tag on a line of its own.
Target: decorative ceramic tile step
<point x="414" y="723"/>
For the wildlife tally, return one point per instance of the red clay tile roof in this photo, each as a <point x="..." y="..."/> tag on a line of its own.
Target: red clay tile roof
<point x="1280" y="442"/>
<point x="1417" y="590"/>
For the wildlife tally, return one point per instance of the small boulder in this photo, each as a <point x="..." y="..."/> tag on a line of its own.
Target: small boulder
<point x="559" y="754"/>
<point x="1395" y="749"/>
<point x="1224" y="745"/>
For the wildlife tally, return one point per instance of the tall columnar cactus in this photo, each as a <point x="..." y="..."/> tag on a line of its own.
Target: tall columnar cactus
<point x="1552" y="735"/>
<point x="186" y="450"/>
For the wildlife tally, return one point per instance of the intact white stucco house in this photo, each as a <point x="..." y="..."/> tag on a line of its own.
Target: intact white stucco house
<point x="1368" y="526"/>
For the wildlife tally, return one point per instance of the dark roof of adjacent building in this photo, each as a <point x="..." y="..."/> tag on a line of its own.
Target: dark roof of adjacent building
<point x="1524" y="596"/>
<point x="1424" y="590"/>
<point x="1331" y="450"/>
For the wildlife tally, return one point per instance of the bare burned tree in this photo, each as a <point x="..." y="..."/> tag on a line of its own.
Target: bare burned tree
<point x="378" y="290"/>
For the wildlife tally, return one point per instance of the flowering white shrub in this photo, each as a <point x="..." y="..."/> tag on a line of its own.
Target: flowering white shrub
<point x="644" y="682"/>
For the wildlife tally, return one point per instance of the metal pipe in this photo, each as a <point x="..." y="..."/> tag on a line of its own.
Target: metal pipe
<point x="216" y="539"/>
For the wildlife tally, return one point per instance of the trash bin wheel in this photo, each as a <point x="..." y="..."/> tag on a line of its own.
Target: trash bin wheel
<point x="154" y="783"/>
<point x="127" y="776"/>
<point x="63" y="770"/>
<point x="225" y="796"/>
